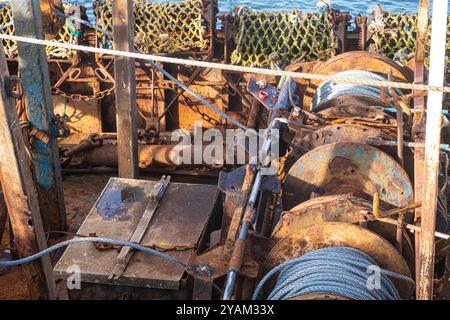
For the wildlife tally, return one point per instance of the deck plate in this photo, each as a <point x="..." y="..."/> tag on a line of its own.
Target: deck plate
<point x="179" y="221"/>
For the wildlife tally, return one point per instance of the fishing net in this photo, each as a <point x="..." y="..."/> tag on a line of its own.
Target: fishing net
<point x="395" y="36"/>
<point x="67" y="34"/>
<point x="289" y="36"/>
<point x="160" y="27"/>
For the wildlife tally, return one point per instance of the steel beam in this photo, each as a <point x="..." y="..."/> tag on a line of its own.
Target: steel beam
<point x="33" y="68"/>
<point x="432" y="149"/>
<point x="125" y="76"/>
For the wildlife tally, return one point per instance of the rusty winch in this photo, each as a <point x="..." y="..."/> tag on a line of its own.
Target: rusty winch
<point x="340" y="191"/>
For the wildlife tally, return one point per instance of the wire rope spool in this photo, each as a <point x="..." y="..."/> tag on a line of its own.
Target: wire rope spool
<point x="339" y="168"/>
<point x="338" y="271"/>
<point x="329" y="93"/>
<point x="337" y="234"/>
<point x="354" y="60"/>
<point x="306" y="141"/>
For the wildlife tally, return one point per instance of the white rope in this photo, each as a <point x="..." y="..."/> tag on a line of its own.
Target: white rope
<point x="227" y="67"/>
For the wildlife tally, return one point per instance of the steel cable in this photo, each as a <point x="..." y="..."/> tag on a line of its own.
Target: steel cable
<point x="331" y="90"/>
<point x="341" y="271"/>
<point x="87" y="23"/>
<point x="195" y="268"/>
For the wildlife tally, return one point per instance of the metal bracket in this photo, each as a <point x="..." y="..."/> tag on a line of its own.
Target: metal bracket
<point x="264" y="93"/>
<point x="126" y="253"/>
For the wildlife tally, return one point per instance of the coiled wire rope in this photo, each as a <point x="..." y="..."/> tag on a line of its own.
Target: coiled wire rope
<point x="331" y="90"/>
<point x="340" y="271"/>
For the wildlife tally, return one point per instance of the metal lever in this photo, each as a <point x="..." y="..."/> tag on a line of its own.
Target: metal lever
<point x="126" y="253"/>
<point x="160" y="188"/>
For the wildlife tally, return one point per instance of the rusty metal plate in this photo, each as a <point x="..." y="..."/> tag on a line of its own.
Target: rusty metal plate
<point x="357" y="60"/>
<point x="334" y="234"/>
<point x="178" y="222"/>
<point x="339" y="208"/>
<point x="350" y="108"/>
<point x="353" y="168"/>
<point x="266" y="94"/>
<point x="335" y="208"/>
<point x="340" y="133"/>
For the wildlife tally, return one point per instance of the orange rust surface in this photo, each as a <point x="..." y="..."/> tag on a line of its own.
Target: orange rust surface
<point x="80" y="195"/>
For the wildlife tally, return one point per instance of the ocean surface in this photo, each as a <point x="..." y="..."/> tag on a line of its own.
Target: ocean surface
<point x="355" y="7"/>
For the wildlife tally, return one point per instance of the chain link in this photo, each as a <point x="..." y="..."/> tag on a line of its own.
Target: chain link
<point x="202" y="114"/>
<point x="80" y="97"/>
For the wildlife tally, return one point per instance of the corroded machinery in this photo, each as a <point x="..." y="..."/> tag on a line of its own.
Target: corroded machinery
<point x="83" y="84"/>
<point x="346" y="169"/>
<point x="343" y="184"/>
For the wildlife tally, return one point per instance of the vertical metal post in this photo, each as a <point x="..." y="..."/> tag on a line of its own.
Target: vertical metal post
<point x="33" y="68"/>
<point x="419" y="120"/>
<point x="20" y="195"/>
<point x="432" y="149"/>
<point x="124" y="71"/>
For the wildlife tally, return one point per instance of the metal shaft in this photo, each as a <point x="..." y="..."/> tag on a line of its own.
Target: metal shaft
<point x="248" y="219"/>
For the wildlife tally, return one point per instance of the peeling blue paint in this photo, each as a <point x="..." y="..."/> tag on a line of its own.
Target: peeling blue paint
<point x="365" y="157"/>
<point x="36" y="83"/>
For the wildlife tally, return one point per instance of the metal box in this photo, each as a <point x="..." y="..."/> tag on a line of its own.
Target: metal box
<point x="177" y="226"/>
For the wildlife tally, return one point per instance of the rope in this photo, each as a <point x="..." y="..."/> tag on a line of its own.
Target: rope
<point x="341" y="271"/>
<point x="233" y="68"/>
<point x="200" y="269"/>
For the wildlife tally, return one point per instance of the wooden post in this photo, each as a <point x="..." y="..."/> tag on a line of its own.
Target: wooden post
<point x="419" y="120"/>
<point x="20" y="195"/>
<point x="3" y="216"/>
<point x="33" y="68"/>
<point x="124" y="71"/>
<point x="432" y="149"/>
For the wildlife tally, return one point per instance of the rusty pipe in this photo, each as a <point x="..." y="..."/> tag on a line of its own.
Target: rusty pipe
<point x="148" y="155"/>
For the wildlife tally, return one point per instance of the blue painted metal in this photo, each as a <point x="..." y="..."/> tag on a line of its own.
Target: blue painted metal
<point x="312" y="172"/>
<point x="34" y="73"/>
<point x="393" y="110"/>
